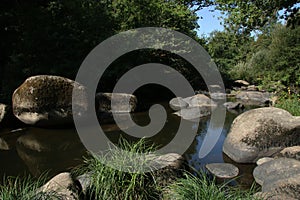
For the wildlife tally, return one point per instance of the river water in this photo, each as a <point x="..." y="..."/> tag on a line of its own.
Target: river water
<point x="41" y="150"/>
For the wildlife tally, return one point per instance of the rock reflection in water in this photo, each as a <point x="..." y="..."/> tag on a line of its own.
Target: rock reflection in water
<point x="50" y="150"/>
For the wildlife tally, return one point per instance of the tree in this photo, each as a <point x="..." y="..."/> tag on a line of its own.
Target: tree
<point x="245" y="16"/>
<point x="228" y="49"/>
<point x="54" y="36"/>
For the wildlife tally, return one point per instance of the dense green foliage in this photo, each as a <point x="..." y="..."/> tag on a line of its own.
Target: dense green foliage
<point x="53" y="37"/>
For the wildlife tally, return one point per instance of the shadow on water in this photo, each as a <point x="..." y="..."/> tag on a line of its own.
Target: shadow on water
<point x="55" y="150"/>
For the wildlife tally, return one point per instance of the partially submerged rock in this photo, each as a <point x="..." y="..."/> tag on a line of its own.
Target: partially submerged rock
<point x="261" y="133"/>
<point x="192" y="107"/>
<point x="234" y="105"/>
<point x="223" y="170"/>
<point x="193" y="113"/>
<point x="47" y="101"/>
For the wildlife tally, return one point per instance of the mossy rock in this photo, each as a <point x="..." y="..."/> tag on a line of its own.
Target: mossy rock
<point x="47" y="100"/>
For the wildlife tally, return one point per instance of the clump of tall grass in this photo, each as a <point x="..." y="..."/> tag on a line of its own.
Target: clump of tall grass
<point x="26" y="188"/>
<point x="116" y="174"/>
<point x="291" y="104"/>
<point x="200" y="187"/>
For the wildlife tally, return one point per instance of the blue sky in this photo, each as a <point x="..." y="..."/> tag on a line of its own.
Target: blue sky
<point x="209" y="21"/>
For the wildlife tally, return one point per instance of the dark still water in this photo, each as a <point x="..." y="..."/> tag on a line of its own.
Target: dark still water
<point x="56" y="150"/>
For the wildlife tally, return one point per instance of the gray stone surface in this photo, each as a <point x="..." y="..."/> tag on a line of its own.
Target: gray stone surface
<point x="193" y="107"/>
<point x="233" y="105"/>
<point x="254" y="97"/>
<point x="290" y="152"/>
<point x="264" y="160"/>
<point x="223" y="170"/>
<point x="194" y="112"/>
<point x="272" y="196"/>
<point x="280" y="176"/>
<point x="178" y="103"/>
<point x="261" y="132"/>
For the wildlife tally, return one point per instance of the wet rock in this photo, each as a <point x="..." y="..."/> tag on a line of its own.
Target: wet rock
<point x="223" y="170"/>
<point x="261" y="132"/>
<point x="178" y="103"/>
<point x="61" y="186"/>
<point x="254" y="97"/>
<point x="264" y="160"/>
<point x="290" y="152"/>
<point x="280" y="176"/>
<point x="234" y="105"/>
<point x="47" y="101"/>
